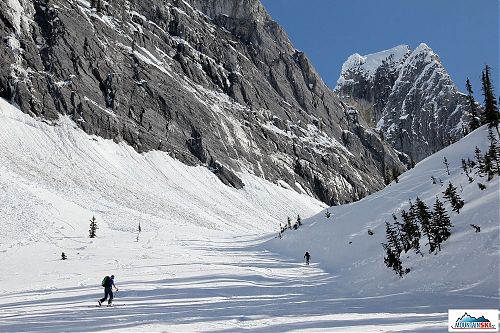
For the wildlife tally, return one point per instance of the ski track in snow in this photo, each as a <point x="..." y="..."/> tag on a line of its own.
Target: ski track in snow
<point x="220" y="287"/>
<point x="200" y="264"/>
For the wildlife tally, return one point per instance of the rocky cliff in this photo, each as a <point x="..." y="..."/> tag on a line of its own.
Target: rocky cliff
<point x="408" y="96"/>
<point x="213" y="82"/>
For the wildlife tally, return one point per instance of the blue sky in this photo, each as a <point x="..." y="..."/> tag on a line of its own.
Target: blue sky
<point x="464" y="33"/>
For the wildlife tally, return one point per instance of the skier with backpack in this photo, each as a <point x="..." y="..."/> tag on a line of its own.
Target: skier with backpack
<point x="108" y="283"/>
<point x="307" y="256"/>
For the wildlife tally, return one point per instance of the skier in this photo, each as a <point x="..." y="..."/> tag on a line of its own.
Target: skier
<point x="307" y="256"/>
<point x="108" y="283"/>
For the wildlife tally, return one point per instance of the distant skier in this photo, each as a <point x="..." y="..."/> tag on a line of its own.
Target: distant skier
<point x="307" y="256"/>
<point x="108" y="283"/>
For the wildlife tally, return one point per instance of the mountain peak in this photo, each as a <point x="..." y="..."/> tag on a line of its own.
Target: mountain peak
<point x="398" y="89"/>
<point x="368" y="64"/>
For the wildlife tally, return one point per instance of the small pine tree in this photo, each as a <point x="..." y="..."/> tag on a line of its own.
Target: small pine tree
<point x="479" y="161"/>
<point x="328" y="214"/>
<point x="424" y="217"/>
<point x="474" y="121"/>
<point x="299" y="220"/>
<point x="393" y="251"/>
<point x="488" y="166"/>
<point x="434" y="180"/>
<point x="450" y="194"/>
<point x="441" y="224"/>
<point x="465" y="167"/>
<point x="63" y="256"/>
<point x="490" y="114"/>
<point x="482" y="187"/>
<point x="447" y="165"/>
<point x="93" y="227"/>
<point x="410" y="230"/>
<point x="493" y="153"/>
<point x="139" y="228"/>
<point x="289" y="222"/>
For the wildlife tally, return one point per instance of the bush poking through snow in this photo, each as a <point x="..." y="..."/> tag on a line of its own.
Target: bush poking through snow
<point x="93" y="227"/>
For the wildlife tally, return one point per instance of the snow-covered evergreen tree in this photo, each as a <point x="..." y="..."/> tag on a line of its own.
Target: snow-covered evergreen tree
<point x="479" y="161"/>
<point x="393" y="250"/>
<point x="424" y="217"/>
<point x="447" y="165"/>
<point x="474" y="120"/>
<point x="441" y="224"/>
<point x="494" y="154"/>
<point x="450" y="194"/>
<point x="490" y="115"/>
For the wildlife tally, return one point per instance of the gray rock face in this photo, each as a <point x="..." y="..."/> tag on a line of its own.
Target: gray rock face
<point x="408" y="96"/>
<point x="212" y="82"/>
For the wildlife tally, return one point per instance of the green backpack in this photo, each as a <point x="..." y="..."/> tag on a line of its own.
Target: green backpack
<point x="104" y="282"/>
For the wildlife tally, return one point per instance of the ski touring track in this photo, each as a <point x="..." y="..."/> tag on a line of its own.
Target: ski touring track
<point x="218" y="286"/>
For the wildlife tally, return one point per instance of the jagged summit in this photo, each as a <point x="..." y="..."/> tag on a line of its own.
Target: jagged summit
<point x="369" y="63"/>
<point x="408" y="96"/>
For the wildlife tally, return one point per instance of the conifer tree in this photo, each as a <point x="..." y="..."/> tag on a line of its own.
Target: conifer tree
<point x="441" y="224"/>
<point x="411" y="230"/>
<point x="494" y="152"/>
<point x="490" y="114"/>
<point x="474" y="121"/>
<point x="328" y="214"/>
<point x="63" y="256"/>
<point x="93" y="227"/>
<point x="289" y="222"/>
<point x="465" y="167"/>
<point x="450" y="194"/>
<point x="299" y="220"/>
<point x="447" y="165"/>
<point x="488" y="166"/>
<point x="479" y="161"/>
<point x="424" y="217"/>
<point x="393" y="250"/>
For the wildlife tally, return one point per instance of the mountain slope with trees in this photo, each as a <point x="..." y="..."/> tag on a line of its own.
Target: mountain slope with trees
<point x="437" y="230"/>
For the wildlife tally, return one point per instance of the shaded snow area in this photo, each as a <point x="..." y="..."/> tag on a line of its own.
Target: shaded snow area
<point x="206" y="259"/>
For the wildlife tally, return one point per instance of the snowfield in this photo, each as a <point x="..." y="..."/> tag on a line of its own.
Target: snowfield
<point x="206" y="259"/>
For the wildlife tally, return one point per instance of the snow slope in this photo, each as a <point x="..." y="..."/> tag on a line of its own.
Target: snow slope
<point x="468" y="263"/>
<point x="201" y="263"/>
